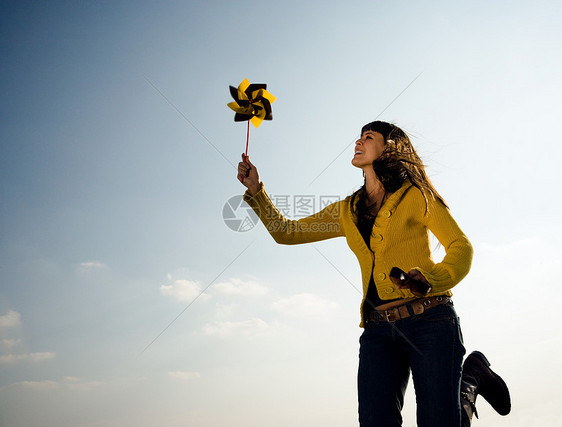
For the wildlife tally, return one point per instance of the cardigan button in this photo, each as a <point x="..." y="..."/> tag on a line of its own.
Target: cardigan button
<point x="381" y="276"/>
<point x="389" y="290"/>
<point x="378" y="237"/>
<point x="386" y="214"/>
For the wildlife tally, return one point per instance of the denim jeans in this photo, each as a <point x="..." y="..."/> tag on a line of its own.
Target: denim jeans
<point x="430" y="346"/>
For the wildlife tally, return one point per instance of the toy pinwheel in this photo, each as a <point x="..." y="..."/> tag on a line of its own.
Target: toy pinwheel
<point x="252" y="103"/>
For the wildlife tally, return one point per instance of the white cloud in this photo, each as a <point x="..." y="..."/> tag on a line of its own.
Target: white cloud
<point x="185" y="376"/>
<point x="87" y="266"/>
<point x="10" y="320"/>
<point x="72" y="383"/>
<point x="27" y="357"/>
<point x="184" y="290"/>
<point x="302" y="305"/>
<point x="240" y="287"/>
<point x="223" y="310"/>
<point x="244" y="328"/>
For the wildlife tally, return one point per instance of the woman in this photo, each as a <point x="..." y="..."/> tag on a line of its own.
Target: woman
<point x="409" y="325"/>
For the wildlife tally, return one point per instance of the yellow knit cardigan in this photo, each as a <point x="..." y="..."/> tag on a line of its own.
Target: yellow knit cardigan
<point x="399" y="238"/>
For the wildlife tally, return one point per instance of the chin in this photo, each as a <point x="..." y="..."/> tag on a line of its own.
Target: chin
<point x="357" y="164"/>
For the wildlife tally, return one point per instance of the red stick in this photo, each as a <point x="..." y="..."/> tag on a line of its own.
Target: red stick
<point x="247" y="142"/>
<point x="247" y="138"/>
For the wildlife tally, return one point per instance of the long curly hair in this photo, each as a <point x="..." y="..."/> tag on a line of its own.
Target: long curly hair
<point x="397" y="163"/>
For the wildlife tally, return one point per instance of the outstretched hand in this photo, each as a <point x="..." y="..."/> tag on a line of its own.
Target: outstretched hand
<point x="248" y="174"/>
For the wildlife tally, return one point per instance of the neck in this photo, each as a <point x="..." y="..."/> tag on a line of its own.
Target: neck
<point x="373" y="186"/>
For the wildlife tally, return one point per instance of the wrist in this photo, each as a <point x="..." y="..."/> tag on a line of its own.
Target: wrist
<point x="254" y="189"/>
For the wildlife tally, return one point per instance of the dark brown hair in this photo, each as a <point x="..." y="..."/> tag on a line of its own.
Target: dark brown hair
<point x="398" y="162"/>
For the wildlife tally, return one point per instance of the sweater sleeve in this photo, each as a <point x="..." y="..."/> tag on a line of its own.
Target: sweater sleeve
<point x="320" y="226"/>
<point x="458" y="250"/>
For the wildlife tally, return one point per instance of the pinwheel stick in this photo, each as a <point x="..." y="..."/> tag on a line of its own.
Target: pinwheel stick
<point x="247" y="138"/>
<point x="247" y="143"/>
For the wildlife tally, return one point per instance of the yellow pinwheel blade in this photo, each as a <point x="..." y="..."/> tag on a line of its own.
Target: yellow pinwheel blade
<point x="237" y="108"/>
<point x="242" y="90"/>
<point x="256" y="121"/>
<point x="268" y="96"/>
<point x="244" y="85"/>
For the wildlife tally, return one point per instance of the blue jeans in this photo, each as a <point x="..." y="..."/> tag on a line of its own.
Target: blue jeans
<point x="430" y="346"/>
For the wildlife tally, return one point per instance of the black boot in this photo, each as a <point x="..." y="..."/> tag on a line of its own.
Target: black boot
<point x="478" y="378"/>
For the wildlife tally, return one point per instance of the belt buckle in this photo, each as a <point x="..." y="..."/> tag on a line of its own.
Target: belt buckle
<point x="387" y="315"/>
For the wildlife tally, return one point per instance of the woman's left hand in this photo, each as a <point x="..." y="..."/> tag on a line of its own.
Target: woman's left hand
<point x="415" y="282"/>
<point x="416" y="275"/>
<point x="412" y="274"/>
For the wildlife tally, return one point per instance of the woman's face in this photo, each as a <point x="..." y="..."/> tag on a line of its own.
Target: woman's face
<point x="368" y="148"/>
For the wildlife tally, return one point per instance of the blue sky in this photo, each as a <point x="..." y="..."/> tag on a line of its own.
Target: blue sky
<point x="117" y="154"/>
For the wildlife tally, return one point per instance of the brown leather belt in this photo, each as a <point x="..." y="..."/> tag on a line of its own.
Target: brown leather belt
<point x="403" y="311"/>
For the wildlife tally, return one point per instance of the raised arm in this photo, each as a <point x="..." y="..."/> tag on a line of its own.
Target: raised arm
<point x="320" y="226"/>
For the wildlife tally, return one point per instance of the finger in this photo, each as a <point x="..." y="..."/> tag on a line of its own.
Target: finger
<point x="248" y="167"/>
<point x="416" y="275"/>
<point x="243" y="170"/>
<point x="244" y="167"/>
<point x="413" y="273"/>
<point x="247" y="160"/>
